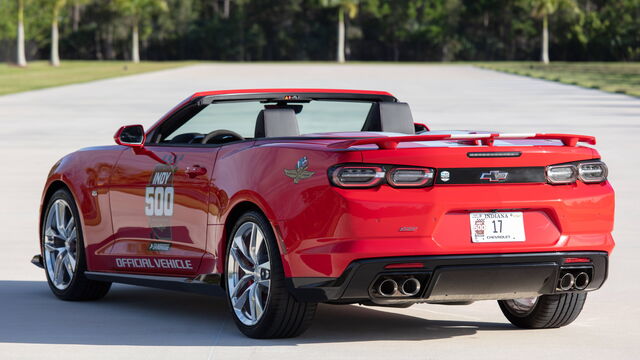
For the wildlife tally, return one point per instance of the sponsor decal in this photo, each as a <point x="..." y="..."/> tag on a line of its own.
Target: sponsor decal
<point x="494" y="176"/>
<point x="158" y="263"/>
<point x="445" y="176"/>
<point x="159" y="199"/>
<point x="300" y="172"/>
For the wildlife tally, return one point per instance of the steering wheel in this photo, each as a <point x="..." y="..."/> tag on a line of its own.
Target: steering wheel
<point x="222" y="136"/>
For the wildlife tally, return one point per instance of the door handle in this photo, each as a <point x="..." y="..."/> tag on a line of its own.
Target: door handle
<point x="195" y="170"/>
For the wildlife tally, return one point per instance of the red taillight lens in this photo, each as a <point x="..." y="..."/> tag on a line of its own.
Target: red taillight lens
<point x="410" y="177"/>
<point x="576" y="260"/>
<point x="357" y="176"/>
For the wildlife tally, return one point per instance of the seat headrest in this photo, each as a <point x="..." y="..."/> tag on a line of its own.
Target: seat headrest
<point x="390" y="117"/>
<point x="276" y="123"/>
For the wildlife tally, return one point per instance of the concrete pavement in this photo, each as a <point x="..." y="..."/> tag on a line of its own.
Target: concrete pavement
<point x="38" y="127"/>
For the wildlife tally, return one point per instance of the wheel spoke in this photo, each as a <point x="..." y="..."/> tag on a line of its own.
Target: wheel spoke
<point x="240" y="260"/>
<point x="72" y="261"/>
<point x="239" y="285"/>
<point x="69" y="227"/>
<point x="49" y="246"/>
<point x="241" y="300"/>
<point x="252" y="302"/>
<point x="58" y="268"/>
<point x="259" y="308"/>
<point x="68" y="265"/>
<point x="240" y="244"/>
<point x="60" y="210"/>
<point x="256" y="241"/>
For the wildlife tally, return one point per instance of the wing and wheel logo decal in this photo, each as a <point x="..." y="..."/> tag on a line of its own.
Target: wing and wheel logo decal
<point x="300" y="172"/>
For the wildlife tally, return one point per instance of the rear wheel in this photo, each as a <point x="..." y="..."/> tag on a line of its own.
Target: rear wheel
<point x="546" y="311"/>
<point x="63" y="251"/>
<point x="259" y="301"/>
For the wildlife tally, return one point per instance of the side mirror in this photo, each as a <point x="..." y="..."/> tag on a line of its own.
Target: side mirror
<point x="130" y="135"/>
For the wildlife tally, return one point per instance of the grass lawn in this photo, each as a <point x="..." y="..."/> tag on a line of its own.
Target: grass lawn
<point x="39" y="74"/>
<point x="617" y="77"/>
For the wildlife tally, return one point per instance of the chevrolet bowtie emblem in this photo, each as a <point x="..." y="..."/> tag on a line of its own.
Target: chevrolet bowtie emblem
<point x="300" y="173"/>
<point x="494" y="176"/>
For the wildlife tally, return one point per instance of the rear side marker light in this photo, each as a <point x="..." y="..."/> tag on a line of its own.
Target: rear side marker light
<point x="357" y="176"/>
<point x="592" y="172"/>
<point x="405" y="266"/>
<point x="576" y="260"/>
<point x="410" y="177"/>
<point x="561" y="174"/>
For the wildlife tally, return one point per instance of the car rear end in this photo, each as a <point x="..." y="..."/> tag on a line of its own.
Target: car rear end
<point x="455" y="221"/>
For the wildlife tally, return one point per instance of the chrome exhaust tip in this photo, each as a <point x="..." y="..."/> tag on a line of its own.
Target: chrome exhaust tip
<point x="582" y="281"/>
<point x="566" y="282"/>
<point x="410" y="287"/>
<point x="388" y="287"/>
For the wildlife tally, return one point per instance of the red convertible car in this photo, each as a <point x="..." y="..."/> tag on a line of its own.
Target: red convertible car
<point x="280" y="199"/>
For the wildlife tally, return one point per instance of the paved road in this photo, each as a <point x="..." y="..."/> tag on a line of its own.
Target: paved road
<point x="37" y="128"/>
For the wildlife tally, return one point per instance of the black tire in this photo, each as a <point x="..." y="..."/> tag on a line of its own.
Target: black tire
<point x="80" y="288"/>
<point x="550" y="311"/>
<point x="283" y="316"/>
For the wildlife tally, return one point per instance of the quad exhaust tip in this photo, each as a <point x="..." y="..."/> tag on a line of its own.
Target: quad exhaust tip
<point x="410" y="287"/>
<point x="566" y="282"/>
<point x="582" y="281"/>
<point x="388" y="288"/>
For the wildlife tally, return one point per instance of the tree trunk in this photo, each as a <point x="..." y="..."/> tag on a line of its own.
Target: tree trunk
<point x="21" y="58"/>
<point x="226" y="10"/>
<point x="76" y="16"/>
<point x="545" y="40"/>
<point x="135" y="51"/>
<point x="341" y="35"/>
<point x="55" y="57"/>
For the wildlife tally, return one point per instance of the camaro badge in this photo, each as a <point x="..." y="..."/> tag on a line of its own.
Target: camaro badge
<point x="494" y="175"/>
<point x="300" y="173"/>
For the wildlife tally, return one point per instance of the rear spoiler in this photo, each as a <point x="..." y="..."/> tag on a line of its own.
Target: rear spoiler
<point x="391" y="143"/>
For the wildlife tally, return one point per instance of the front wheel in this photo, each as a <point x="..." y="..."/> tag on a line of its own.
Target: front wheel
<point x="260" y="303"/>
<point x="546" y="311"/>
<point x="63" y="251"/>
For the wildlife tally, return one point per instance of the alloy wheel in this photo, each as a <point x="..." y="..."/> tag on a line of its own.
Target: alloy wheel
<point x="249" y="273"/>
<point x="60" y="244"/>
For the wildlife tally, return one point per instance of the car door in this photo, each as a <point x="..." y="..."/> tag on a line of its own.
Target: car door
<point x="159" y="201"/>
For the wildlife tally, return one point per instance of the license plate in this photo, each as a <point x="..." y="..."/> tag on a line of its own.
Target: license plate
<point x="497" y="227"/>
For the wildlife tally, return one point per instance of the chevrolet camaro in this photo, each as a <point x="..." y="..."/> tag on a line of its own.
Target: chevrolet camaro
<point x="280" y="199"/>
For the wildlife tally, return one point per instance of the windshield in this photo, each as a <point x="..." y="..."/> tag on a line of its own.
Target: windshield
<point x="317" y="116"/>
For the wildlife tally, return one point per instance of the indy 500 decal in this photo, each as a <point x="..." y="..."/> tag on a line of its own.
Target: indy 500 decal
<point x="159" y="197"/>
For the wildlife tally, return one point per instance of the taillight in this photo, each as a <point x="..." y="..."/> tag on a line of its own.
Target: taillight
<point x="357" y="176"/>
<point x="588" y="172"/>
<point x="367" y="176"/>
<point x="409" y="177"/>
<point x="562" y="174"/>
<point x="592" y="172"/>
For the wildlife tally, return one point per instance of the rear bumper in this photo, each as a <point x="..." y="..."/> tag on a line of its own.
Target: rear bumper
<point x="454" y="278"/>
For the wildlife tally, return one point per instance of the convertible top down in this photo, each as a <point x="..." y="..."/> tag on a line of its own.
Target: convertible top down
<point x="279" y="199"/>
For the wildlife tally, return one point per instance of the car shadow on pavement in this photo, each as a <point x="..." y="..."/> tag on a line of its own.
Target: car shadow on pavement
<point x="129" y="315"/>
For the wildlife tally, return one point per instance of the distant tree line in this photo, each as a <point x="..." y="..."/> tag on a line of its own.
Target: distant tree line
<point x="270" y="30"/>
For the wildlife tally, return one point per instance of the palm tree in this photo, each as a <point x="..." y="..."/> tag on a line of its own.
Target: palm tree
<point x="21" y="58"/>
<point x="55" y="56"/>
<point x="351" y="8"/>
<point x="542" y="9"/>
<point x="138" y="12"/>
